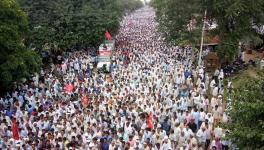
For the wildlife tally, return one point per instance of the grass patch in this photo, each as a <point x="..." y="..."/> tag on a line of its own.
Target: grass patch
<point x="238" y="79"/>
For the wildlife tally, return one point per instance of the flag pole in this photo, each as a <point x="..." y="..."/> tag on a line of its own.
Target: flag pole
<point x="202" y="39"/>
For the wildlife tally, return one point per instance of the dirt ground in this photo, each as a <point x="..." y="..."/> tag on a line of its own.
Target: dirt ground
<point x="254" y="56"/>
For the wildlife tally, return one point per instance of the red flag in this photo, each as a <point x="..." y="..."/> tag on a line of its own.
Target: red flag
<point x="149" y="121"/>
<point x="108" y="36"/>
<point x="85" y="101"/>
<point x="15" y="129"/>
<point x="69" y="88"/>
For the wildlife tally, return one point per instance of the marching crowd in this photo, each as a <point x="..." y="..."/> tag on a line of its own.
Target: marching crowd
<point x="157" y="101"/>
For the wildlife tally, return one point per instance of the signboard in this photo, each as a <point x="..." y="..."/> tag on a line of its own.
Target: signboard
<point x="103" y="59"/>
<point x="108" y="45"/>
<point x="105" y="53"/>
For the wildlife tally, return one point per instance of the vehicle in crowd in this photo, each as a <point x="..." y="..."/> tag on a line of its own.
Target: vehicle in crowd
<point x="104" y="56"/>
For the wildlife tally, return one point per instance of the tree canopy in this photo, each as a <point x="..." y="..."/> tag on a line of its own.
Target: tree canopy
<point x="64" y="24"/>
<point x="52" y="25"/>
<point x="235" y="20"/>
<point x="16" y="61"/>
<point x="173" y="17"/>
<point x="247" y="115"/>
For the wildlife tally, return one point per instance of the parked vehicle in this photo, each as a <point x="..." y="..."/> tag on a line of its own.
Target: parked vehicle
<point x="104" y="56"/>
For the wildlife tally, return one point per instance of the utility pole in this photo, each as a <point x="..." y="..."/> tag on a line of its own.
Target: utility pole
<point x="202" y="39"/>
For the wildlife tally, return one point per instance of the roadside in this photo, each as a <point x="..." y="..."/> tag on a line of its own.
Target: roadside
<point x="251" y="72"/>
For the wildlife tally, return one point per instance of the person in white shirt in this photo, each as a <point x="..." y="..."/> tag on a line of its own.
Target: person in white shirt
<point x="166" y="144"/>
<point x="221" y="74"/>
<point x="210" y="120"/>
<point x="187" y="132"/>
<point x="212" y="85"/>
<point x="218" y="132"/>
<point x="201" y="135"/>
<point x="215" y="91"/>
<point x="202" y="117"/>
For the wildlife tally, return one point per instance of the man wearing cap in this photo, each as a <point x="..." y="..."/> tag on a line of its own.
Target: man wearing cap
<point x="166" y="144"/>
<point x="201" y="135"/>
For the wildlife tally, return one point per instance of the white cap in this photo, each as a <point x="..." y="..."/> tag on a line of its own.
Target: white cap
<point x="166" y="138"/>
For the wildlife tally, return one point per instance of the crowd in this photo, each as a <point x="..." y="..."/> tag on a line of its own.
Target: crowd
<point x="157" y="101"/>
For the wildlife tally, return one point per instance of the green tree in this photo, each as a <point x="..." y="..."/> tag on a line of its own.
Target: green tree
<point x="235" y="20"/>
<point x="16" y="61"/>
<point x="247" y="113"/>
<point x="174" y="16"/>
<point x="62" y="24"/>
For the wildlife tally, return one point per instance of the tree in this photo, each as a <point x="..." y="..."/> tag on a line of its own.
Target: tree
<point x="174" y="16"/>
<point x="235" y="20"/>
<point x="16" y="61"/>
<point x="63" y="24"/>
<point x="247" y="115"/>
